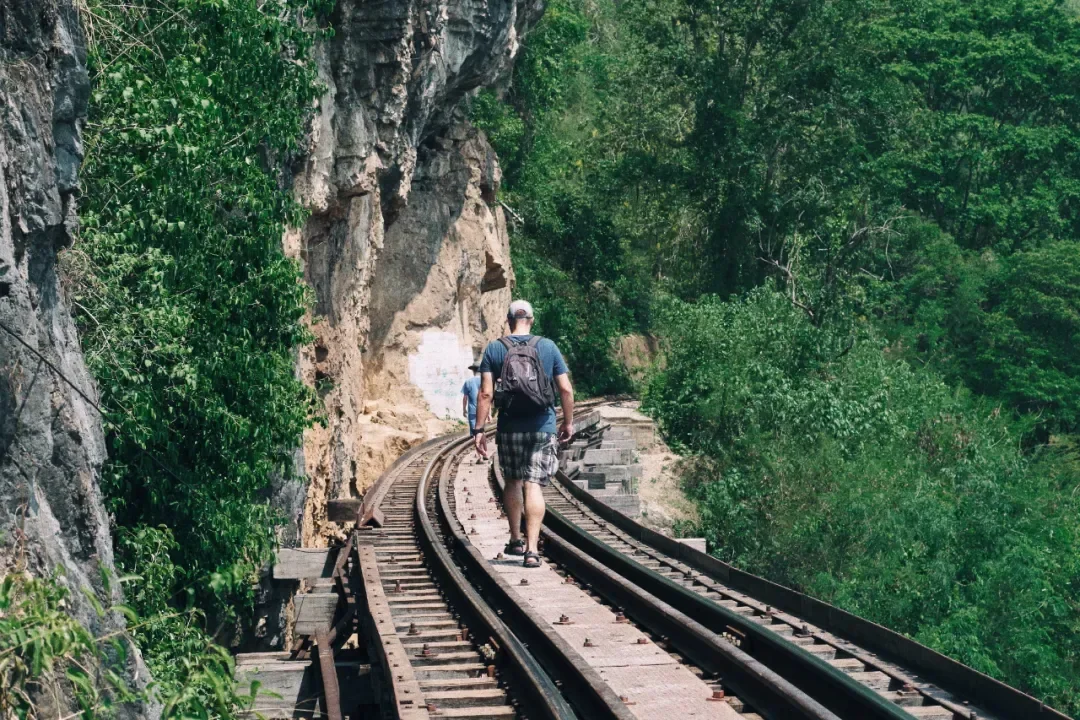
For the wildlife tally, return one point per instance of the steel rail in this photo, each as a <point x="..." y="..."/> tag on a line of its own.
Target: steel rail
<point x="773" y="675"/>
<point x="527" y="677"/>
<point x="879" y="643"/>
<point x="582" y="685"/>
<point x="832" y="688"/>
<point x="770" y="694"/>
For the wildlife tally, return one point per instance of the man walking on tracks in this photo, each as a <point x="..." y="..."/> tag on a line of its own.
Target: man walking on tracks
<point x="519" y="374"/>
<point x="470" y="391"/>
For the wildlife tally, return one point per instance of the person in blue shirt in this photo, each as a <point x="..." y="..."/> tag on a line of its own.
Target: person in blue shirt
<point x="528" y="441"/>
<point x="469" y="392"/>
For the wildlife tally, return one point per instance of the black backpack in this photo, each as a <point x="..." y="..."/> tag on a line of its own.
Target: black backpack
<point x="523" y="386"/>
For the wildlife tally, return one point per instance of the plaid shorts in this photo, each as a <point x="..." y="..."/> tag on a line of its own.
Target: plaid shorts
<point x="528" y="456"/>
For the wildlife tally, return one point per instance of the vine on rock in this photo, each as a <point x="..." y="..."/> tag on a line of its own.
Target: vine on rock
<point x="189" y="310"/>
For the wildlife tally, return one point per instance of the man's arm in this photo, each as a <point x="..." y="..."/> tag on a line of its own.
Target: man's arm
<point x="464" y="404"/>
<point x="566" y="394"/>
<point x="483" y="407"/>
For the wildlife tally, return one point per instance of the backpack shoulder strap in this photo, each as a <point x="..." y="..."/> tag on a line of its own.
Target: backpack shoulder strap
<point x="534" y="341"/>
<point x="507" y="342"/>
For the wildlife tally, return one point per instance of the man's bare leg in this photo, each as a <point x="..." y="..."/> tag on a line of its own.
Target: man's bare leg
<point x="512" y="502"/>
<point x="534" y="515"/>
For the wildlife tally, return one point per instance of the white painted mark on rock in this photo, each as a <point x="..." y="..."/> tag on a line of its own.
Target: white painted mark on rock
<point x="439" y="367"/>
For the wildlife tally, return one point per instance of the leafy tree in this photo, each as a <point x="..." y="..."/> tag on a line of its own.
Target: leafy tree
<point x="905" y="172"/>
<point x="1027" y="349"/>
<point x="188" y="310"/>
<point x="827" y="463"/>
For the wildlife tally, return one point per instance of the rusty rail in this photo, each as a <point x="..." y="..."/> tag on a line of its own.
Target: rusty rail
<point x="878" y="643"/>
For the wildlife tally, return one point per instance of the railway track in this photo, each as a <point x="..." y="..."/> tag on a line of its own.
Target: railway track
<point x="806" y="653"/>
<point x="619" y="623"/>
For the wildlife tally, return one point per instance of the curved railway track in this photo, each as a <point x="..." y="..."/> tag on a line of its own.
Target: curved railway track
<point x="621" y="622"/>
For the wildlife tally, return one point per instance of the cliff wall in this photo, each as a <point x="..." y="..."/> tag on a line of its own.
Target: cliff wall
<point x="406" y="248"/>
<point x="51" y="440"/>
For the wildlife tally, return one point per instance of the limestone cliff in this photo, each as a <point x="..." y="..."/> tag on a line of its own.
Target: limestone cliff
<point x="51" y="441"/>
<point x="406" y="248"/>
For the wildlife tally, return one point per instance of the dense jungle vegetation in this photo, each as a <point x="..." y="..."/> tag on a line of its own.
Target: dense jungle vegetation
<point x="855" y="227"/>
<point x="189" y="315"/>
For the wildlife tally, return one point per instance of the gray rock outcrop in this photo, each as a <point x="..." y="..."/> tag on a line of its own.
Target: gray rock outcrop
<point x="406" y="248"/>
<point x="51" y="441"/>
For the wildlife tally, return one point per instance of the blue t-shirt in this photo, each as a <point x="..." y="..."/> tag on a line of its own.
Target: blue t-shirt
<point x="553" y="364"/>
<point x="471" y="388"/>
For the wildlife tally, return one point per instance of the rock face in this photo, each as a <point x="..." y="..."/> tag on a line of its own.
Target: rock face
<point x="51" y="441"/>
<point x="406" y="248"/>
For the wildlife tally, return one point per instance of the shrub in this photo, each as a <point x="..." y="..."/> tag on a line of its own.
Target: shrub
<point x="188" y="309"/>
<point x="828" y="464"/>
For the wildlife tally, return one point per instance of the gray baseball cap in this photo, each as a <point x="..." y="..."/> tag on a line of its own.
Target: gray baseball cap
<point x="520" y="309"/>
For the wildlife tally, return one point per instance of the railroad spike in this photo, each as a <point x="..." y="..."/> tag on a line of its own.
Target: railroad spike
<point x="717" y="696"/>
<point x="413" y="630"/>
<point x="564" y="620"/>
<point x="524" y="581"/>
<point x="589" y="643"/>
<point x="643" y="641"/>
<point x="620" y="617"/>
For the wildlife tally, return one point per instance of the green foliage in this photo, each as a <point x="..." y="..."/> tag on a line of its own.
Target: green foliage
<point x="907" y="173"/>
<point x="827" y="464"/>
<point x="1003" y="325"/>
<point x="583" y="321"/>
<point x="1027" y="350"/>
<point x="43" y="649"/>
<point x="572" y="257"/>
<point x="46" y="653"/>
<point x="707" y="147"/>
<point x="189" y="310"/>
<point x="193" y="677"/>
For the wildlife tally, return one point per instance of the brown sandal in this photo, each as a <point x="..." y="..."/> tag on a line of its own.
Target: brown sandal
<point x="532" y="560"/>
